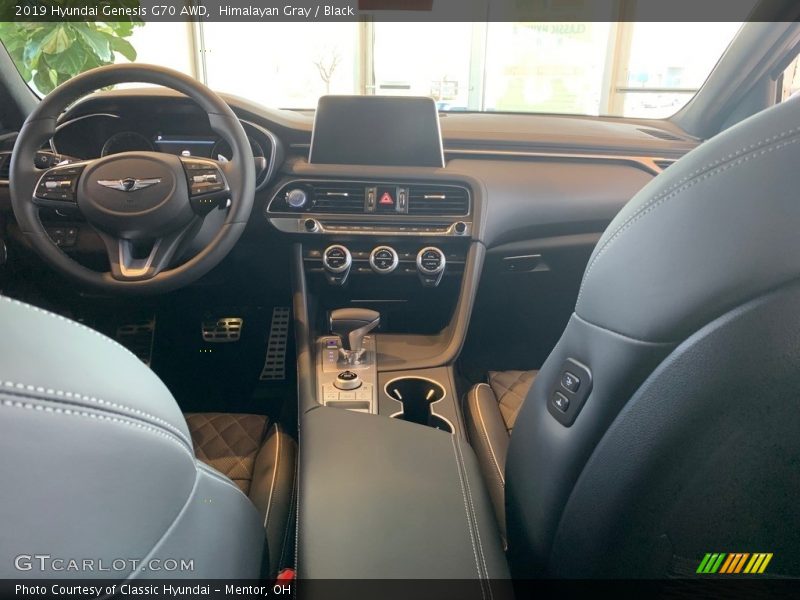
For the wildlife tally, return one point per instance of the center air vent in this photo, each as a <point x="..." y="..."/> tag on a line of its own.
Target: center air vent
<point x="339" y="197"/>
<point x="436" y="200"/>
<point x="371" y="198"/>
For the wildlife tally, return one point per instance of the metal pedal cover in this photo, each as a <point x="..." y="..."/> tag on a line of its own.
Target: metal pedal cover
<point x="226" y="329"/>
<point x="275" y="362"/>
<point x="138" y="338"/>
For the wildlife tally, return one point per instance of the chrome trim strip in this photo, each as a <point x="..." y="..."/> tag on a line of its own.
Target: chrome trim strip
<point x="647" y="162"/>
<point x="644" y="160"/>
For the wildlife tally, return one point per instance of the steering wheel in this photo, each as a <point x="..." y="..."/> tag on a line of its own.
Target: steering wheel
<point x="144" y="205"/>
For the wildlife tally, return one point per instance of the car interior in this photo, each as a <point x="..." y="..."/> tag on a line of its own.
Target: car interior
<point x="382" y="341"/>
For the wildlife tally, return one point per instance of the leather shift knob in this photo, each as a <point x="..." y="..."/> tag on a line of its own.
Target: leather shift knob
<point x="352" y="324"/>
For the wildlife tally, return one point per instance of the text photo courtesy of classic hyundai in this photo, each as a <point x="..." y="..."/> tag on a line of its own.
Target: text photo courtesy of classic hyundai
<point x="399" y="299"/>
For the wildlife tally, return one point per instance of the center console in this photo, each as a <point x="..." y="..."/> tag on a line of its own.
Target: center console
<point x="385" y="271"/>
<point x="398" y="254"/>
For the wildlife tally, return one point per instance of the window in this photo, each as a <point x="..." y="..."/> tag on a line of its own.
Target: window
<point x="789" y="81"/>
<point x="630" y="69"/>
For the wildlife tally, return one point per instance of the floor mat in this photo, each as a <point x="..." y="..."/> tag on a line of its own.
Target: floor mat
<point x="209" y="367"/>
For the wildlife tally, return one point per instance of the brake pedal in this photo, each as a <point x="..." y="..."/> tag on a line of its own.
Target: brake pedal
<point x="275" y="361"/>
<point x="138" y="338"/>
<point x="226" y="329"/>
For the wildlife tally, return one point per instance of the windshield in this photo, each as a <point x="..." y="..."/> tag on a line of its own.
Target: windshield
<point x="620" y="69"/>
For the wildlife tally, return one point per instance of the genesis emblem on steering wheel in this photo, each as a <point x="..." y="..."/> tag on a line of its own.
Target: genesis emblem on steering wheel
<point x="129" y="184"/>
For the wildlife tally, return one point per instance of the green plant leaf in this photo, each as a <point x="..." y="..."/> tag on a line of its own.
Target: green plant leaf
<point x="96" y="41"/>
<point x="69" y="63"/>
<point x="44" y="80"/>
<point x="32" y="52"/>
<point x="56" y="41"/>
<point x="122" y="46"/>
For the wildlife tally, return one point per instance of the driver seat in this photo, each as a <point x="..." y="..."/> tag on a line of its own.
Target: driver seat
<point x="100" y="462"/>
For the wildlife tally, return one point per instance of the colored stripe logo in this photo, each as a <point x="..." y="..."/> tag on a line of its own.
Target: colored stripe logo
<point x="733" y="563"/>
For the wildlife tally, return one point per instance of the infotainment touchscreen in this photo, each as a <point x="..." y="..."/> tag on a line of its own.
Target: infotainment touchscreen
<point x="377" y="130"/>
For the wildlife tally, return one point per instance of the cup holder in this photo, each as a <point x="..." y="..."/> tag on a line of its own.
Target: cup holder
<point x="416" y="394"/>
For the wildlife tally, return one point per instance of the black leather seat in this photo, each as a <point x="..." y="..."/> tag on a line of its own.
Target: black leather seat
<point x="490" y="411"/>
<point x="260" y="458"/>
<point x="681" y="436"/>
<point x="101" y="463"/>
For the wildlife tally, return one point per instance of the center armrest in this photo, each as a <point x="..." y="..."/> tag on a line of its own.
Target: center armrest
<point x="382" y="498"/>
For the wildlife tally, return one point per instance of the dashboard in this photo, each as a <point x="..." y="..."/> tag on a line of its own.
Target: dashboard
<point x="506" y="180"/>
<point x="184" y="134"/>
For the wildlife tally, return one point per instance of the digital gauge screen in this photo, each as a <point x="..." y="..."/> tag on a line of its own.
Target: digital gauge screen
<point x="185" y="145"/>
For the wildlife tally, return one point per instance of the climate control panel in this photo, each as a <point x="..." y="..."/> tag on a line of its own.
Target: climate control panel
<point x="339" y="262"/>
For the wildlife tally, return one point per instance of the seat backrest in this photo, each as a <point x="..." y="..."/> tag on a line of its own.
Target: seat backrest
<point x="686" y="322"/>
<point x="98" y="465"/>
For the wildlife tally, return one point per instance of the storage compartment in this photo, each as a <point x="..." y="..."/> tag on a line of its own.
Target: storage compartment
<point x="417" y="395"/>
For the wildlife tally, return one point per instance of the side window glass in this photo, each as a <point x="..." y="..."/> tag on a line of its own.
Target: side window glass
<point x="789" y="81"/>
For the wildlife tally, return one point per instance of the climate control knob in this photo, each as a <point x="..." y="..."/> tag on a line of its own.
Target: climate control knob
<point x="296" y="198"/>
<point x="430" y="265"/>
<point x="383" y="259"/>
<point x="337" y="261"/>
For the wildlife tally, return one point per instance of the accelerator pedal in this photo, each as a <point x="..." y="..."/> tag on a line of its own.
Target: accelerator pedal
<point x="275" y="361"/>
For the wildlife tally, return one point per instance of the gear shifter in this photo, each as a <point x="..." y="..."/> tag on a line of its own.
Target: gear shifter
<point x="351" y="325"/>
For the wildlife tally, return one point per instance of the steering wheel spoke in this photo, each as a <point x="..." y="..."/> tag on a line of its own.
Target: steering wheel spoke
<point x="208" y="185"/>
<point x="136" y="260"/>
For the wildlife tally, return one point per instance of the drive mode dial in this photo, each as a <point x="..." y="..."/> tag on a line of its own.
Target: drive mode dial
<point x="430" y="266"/>
<point x="383" y="259"/>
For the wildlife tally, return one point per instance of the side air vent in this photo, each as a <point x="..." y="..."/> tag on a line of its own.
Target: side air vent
<point x="5" y="165"/>
<point x="438" y="200"/>
<point x="661" y="134"/>
<point x="338" y="197"/>
<point x="663" y="163"/>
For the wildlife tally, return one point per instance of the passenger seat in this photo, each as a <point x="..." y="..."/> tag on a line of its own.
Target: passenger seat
<point x="259" y="457"/>
<point x="490" y="411"/>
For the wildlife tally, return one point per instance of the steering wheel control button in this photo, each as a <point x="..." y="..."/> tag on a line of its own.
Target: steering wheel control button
<point x="207" y="187"/>
<point x="383" y="260"/>
<point x="337" y="261"/>
<point x="431" y="262"/>
<point x="570" y="382"/>
<point x="569" y="394"/>
<point x="59" y="183"/>
<point x="561" y="402"/>
<point x="296" y="198"/>
<point x="347" y="380"/>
